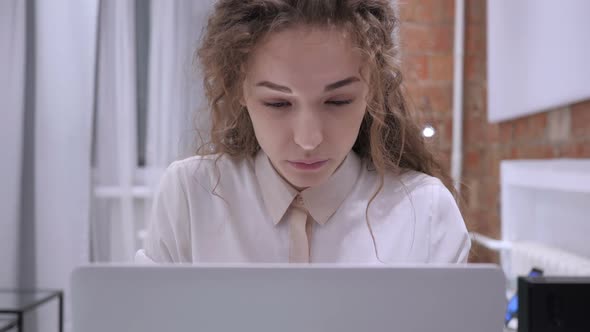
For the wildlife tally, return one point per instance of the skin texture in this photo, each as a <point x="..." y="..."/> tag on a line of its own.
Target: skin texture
<point x="306" y="98"/>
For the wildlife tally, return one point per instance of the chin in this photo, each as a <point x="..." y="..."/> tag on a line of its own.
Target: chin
<point x="301" y="181"/>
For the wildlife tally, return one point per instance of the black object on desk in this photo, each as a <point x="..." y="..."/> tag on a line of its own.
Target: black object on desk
<point x="19" y="302"/>
<point x="553" y="304"/>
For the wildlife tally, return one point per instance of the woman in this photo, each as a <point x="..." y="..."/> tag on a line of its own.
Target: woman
<point x="314" y="155"/>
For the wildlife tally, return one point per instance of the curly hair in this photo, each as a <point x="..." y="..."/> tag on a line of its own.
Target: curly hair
<point x="389" y="137"/>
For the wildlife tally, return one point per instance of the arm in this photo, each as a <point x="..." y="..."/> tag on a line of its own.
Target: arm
<point x="449" y="239"/>
<point x="168" y="237"/>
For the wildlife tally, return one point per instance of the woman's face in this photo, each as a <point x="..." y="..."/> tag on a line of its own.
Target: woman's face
<point x="305" y="96"/>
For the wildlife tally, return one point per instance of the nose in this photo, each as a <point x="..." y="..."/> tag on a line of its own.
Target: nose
<point x="307" y="131"/>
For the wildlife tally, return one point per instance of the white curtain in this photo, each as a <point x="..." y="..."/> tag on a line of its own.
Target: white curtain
<point x="64" y="68"/>
<point x="176" y="100"/>
<point x="73" y="190"/>
<point x="122" y="187"/>
<point x="47" y="61"/>
<point x="115" y="155"/>
<point x="12" y="83"/>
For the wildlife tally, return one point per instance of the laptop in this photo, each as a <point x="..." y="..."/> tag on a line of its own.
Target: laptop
<point x="288" y="298"/>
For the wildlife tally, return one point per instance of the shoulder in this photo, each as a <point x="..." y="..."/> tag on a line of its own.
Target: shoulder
<point x="207" y="171"/>
<point x="410" y="183"/>
<point x="424" y="194"/>
<point x="427" y="190"/>
<point x="413" y="180"/>
<point x="208" y="163"/>
<point x="447" y="233"/>
<point x="424" y="202"/>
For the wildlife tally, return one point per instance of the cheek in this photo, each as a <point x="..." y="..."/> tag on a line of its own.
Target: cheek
<point x="344" y="128"/>
<point x="270" y="131"/>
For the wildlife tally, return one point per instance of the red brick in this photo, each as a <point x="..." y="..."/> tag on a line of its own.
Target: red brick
<point x="424" y="11"/>
<point x="436" y="97"/>
<point x="506" y="132"/>
<point x="485" y="222"/>
<point x="521" y="129"/>
<point x="475" y="70"/>
<point x="473" y="161"/>
<point x="495" y="157"/>
<point x="441" y="67"/>
<point x="474" y="98"/>
<point x="415" y="67"/>
<point x="444" y="157"/>
<point x="479" y="254"/>
<point x="536" y="152"/>
<point x="476" y="11"/>
<point x="514" y="153"/>
<point x="427" y="11"/>
<point x="424" y="38"/>
<point x="473" y="131"/>
<point x="446" y="132"/>
<point x="475" y="40"/>
<point x="580" y="119"/>
<point x="568" y="150"/>
<point x="580" y="149"/>
<point x="406" y="10"/>
<point x="490" y="188"/>
<point x="447" y="10"/>
<point x="440" y="97"/>
<point x="493" y="133"/>
<point x="537" y="127"/>
<point x="412" y="94"/>
<point x="584" y="151"/>
<point x="416" y="38"/>
<point x="442" y="38"/>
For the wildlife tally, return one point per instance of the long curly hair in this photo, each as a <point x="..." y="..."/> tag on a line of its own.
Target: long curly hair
<point x="389" y="137"/>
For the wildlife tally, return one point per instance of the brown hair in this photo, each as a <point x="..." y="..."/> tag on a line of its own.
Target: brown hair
<point x="389" y="138"/>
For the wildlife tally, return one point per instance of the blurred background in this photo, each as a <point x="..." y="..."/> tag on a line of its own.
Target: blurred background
<point x="97" y="97"/>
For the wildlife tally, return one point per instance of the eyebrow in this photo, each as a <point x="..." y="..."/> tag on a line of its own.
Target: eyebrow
<point x="329" y="87"/>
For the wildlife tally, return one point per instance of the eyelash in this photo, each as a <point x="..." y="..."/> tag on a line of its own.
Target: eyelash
<point x="332" y="102"/>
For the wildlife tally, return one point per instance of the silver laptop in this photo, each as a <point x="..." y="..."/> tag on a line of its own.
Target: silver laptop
<point x="285" y="298"/>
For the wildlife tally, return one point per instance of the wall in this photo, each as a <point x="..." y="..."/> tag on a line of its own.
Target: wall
<point x="427" y="44"/>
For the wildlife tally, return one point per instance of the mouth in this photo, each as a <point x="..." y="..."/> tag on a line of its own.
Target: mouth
<point x="308" y="165"/>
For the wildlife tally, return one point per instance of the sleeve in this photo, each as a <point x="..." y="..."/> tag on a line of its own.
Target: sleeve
<point x="168" y="238"/>
<point x="449" y="239"/>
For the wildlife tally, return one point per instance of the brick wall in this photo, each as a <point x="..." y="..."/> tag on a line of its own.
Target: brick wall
<point x="427" y="63"/>
<point x="427" y="49"/>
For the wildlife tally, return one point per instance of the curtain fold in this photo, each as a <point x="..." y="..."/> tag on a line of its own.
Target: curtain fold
<point x="12" y="83"/>
<point x="115" y="146"/>
<point x="47" y="52"/>
<point x="123" y="185"/>
<point x="74" y="186"/>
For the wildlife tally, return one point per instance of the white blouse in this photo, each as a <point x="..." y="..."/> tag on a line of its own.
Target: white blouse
<point x="231" y="212"/>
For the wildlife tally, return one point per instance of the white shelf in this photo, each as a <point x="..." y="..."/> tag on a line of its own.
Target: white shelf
<point x="572" y="175"/>
<point x="546" y="202"/>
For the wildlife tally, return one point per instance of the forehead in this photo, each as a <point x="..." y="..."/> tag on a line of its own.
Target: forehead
<point x="304" y="57"/>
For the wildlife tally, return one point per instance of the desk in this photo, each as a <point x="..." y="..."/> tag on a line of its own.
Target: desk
<point x="19" y="302"/>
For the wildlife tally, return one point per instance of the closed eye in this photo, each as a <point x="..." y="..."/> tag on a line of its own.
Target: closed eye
<point x="339" y="102"/>
<point x="281" y="104"/>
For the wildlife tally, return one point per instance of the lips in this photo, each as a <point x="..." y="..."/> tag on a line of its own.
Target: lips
<point x="308" y="164"/>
